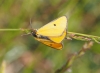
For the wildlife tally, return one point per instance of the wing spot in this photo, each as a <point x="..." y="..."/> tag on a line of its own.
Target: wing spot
<point x="54" y="24"/>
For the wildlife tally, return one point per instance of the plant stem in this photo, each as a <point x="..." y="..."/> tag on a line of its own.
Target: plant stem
<point x="82" y="34"/>
<point x="69" y="62"/>
<point x="20" y="29"/>
<point x="83" y="37"/>
<point x="10" y="29"/>
<point x="67" y="32"/>
<point x="73" y="35"/>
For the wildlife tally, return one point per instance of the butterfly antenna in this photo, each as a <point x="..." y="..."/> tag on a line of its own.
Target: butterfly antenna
<point x="30" y="26"/>
<point x="31" y="23"/>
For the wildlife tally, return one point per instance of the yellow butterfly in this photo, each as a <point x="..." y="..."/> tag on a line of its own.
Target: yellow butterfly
<point x="52" y="33"/>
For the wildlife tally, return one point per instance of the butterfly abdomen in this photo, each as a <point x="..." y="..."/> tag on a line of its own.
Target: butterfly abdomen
<point x="43" y="37"/>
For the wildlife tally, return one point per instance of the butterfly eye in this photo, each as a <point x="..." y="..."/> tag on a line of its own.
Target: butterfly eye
<point x="54" y="24"/>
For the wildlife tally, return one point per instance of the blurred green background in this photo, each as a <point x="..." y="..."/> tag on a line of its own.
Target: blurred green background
<point x="23" y="54"/>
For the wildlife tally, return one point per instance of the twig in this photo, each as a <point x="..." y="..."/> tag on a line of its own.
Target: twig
<point x="85" y="47"/>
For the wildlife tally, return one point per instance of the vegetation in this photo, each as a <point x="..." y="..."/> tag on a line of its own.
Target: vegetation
<point x="23" y="54"/>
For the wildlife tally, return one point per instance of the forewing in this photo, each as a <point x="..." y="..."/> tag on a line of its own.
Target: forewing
<point x="54" y="28"/>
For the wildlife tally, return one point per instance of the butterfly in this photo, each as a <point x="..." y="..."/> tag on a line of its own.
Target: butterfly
<point x="52" y="33"/>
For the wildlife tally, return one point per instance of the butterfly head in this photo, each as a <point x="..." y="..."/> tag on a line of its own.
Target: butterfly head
<point x="33" y="32"/>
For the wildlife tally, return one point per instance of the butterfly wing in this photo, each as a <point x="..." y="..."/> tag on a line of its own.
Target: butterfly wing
<point x="49" y="43"/>
<point x="58" y="39"/>
<point x="54" y="28"/>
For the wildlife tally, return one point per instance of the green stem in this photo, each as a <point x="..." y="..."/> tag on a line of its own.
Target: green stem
<point x="10" y="29"/>
<point x="67" y="32"/>
<point x="2" y="30"/>
<point x="77" y="36"/>
<point x="83" y="34"/>
<point x="72" y="58"/>
<point x="84" y="37"/>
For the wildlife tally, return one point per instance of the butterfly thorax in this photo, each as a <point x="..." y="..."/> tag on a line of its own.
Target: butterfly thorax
<point x="34" y="33"/>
